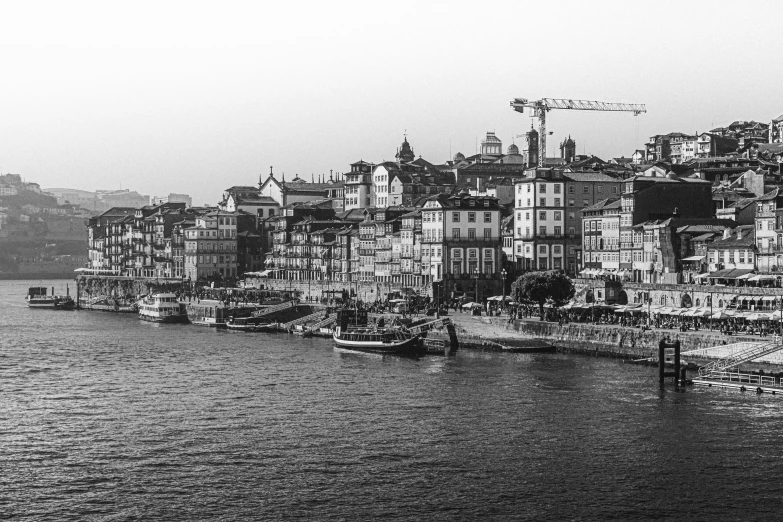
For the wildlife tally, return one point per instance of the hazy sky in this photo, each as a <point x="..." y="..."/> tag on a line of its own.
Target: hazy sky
<point x="195" y="97"/>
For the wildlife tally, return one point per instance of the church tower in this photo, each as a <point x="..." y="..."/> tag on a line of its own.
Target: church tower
<point x="530" y="150"/>
<point x="568" y="150"/>
<point x="405" y="152"/>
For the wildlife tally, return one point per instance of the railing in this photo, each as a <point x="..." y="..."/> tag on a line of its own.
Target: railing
<point x="743" y="353"/>
<point x="746" y="378"/>
<point x="478" y="239"/>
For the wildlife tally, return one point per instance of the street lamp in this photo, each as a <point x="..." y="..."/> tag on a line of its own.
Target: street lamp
<point x="503" y="275"/>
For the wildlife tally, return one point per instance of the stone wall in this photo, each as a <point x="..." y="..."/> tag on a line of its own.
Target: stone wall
<point x="121" y="287"/>
<point x="616" y="340"/>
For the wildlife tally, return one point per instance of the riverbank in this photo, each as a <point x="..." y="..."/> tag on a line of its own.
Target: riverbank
<point x="596" y="339"/>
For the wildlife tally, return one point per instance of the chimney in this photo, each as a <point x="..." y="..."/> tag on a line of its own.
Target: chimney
<point x="726" y="233"/>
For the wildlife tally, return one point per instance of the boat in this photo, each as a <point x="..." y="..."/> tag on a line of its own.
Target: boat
<point x="354" y="332"/>
<point x="37" y="297"/>
<point x="250" y="324"/>
<point x="162" y="308"/>
<point x="215" y="313"/>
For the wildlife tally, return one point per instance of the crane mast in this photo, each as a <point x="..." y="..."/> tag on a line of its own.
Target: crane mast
<point x="539" y="108"/>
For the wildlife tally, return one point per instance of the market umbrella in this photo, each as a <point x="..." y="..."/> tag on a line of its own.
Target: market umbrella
<point x="720" y="315"/>
<point x="759" y="317"/>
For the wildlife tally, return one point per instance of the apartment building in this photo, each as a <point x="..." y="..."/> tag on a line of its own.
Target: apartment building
<point x="461" y="248"/>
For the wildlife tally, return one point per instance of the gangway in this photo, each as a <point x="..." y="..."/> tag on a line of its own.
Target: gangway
<point x="306" y="319"/>
<point x="437" y="323"/>
<point x="740" y="356"/>
<point x="321" y="324"/>
<point x="273" y="309"/>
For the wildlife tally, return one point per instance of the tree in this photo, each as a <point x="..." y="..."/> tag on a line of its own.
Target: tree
<point x="540" y="287"/>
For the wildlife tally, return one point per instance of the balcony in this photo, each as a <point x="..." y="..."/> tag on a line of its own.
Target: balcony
<point x="478" y="239"/>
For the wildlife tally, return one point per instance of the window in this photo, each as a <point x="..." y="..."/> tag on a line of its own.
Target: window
<point x="542" y="231"/>
<point x="455" y="217"/>
<point x="585" y="202"/>
<point x="600" y="188"/>
<point x="487" y="217"/>
<point x="542" y="215"/>
<point x="570" y="189"/>
<point x="542" y="202"/>
<point x="471" y="217"/>
<point x="528" y="188"/>
<point x="557" y="202"/>
<point x="487" y="233"/>
<point x="614" y="190"/>
<point x="570" y="202"/>
<point x="571" y="216"/>
<point x="557" y="189"/>
<point x="455" y="234"/>
<point x="542" y="188"/>
<point x="527" y="216"/>
<point x="542" y="249"/>
<point x="585" y="189"/>
<point x="558" y="216"/>
<point x="527" y="231"/>
<point x="471" y="233"/>
<point x="571" y="231"/>
<point x="558" y="231"/>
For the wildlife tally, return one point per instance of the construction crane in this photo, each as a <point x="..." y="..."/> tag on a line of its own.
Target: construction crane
<point x="540" y="107"/>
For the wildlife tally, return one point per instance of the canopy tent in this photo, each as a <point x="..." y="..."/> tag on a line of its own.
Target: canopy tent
<point x="499" y="298"/>
<point x="471" y="305"/>
<point x="693" y="258"/>
<point x="720" y="315"/>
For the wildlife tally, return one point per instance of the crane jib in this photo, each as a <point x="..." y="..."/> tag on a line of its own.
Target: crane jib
<point x="539" y="108"/>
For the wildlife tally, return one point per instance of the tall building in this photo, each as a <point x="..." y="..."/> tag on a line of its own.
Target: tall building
<point x="461" y="248"/>
<point x="358" y="185"/>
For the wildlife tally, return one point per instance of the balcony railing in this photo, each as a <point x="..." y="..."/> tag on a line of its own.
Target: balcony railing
<point x="477" y="239"/>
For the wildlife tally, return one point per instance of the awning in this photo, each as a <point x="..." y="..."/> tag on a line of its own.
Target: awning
<point x="701" y="276"/>
<point x="744" y="276"/>
<point x="769" y="298"/>
<point x="693" y="258"/>
<point x="730" y="273"/>
<point x="762" y="277"/>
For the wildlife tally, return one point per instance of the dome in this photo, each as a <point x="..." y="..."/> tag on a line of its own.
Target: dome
<point x="512" y="149"/>
<point x="459" y="157"/>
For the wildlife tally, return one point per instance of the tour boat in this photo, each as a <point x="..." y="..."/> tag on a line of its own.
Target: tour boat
<point x="37" y="298"/>
<point x="353" y="332"/>
<point x="162" y="308"/>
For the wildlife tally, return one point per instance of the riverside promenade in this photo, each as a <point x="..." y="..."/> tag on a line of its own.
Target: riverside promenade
<point x="593" y="339"/>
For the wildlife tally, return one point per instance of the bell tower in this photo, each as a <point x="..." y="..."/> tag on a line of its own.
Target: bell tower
<point x="530" y="150"/>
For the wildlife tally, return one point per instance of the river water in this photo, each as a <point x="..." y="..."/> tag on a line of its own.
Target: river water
<point x="105" y="417"/>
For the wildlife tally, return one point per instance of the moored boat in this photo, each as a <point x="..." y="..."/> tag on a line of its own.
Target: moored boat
<point x="353" y="332"/>
<point x="37" y="297"/>
<point x="162" y="308"/>
<point x="250" y="324"/>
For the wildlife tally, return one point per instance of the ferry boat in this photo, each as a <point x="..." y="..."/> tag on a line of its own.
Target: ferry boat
<point x="162" y="308"/>
<point x="353" y="332"/>
<point x="37" y="297"/>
